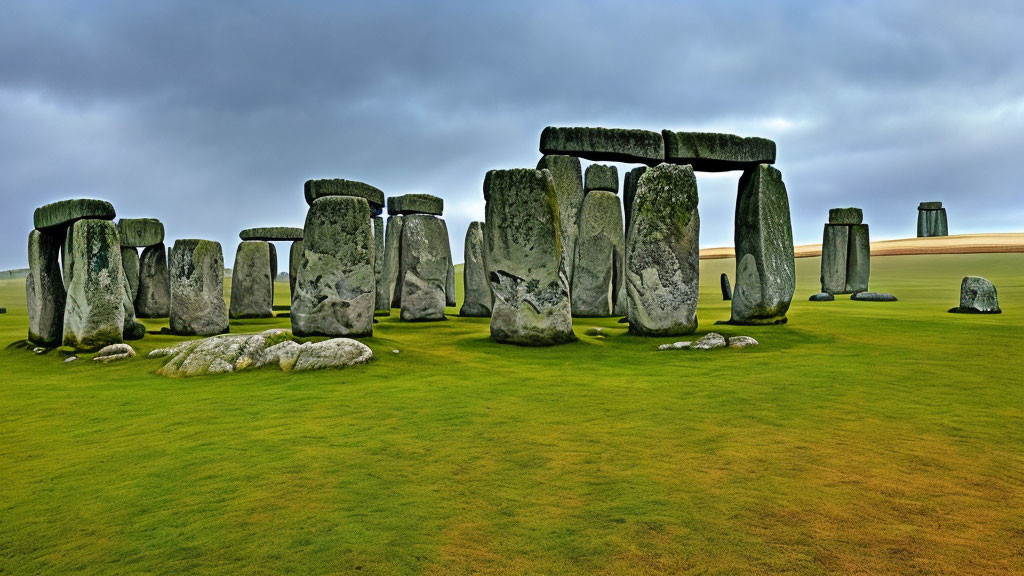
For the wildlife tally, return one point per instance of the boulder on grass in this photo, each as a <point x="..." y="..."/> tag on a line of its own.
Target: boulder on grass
<point x="197" y="288"/>
<point x="977" y="296"/>
<point x="95" y="313"/>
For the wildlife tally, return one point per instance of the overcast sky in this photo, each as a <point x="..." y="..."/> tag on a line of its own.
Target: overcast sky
<point x="211" y="117"/>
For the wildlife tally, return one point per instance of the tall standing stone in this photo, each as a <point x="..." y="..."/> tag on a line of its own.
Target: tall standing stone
<point x="977" y="296"/>
<point x="476" y="288"/>
<point x="931" y="220"/>
<point x="154" y="297"/>
<point x="449" y="285"/>
<point x="44" y="289"/>
<point x="726" y="287"/>
<point x="130" y="263"/>
<point x="834" y="253"/>
<point x="599" y="257"/>
<point x="425" y="260"/>
<point x="334" y="291"/>
<point x="94" y="314"/>
<point x="131" y="330"/>
<point x="252" y="286"/>
<point x="382" y="298"/>
<point x="197" y="288"/>
<point x="629" y="184"/>
<point x="858" y="259"/>
<point x="523" y="251"/>
<point x="567" y="174"/>
<point x="392" y="259"/>
<point x="765" y="264"/>
<point x="273" y="267"/>
<point x="294" y="258"/>
<point x="663" y="278"/>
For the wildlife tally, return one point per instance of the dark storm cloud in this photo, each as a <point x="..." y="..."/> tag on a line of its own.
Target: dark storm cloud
<point x="210" y="116"/>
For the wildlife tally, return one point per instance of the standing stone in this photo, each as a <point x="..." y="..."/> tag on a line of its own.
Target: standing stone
<point x="449" y="286"/>
<point x="765" y="264"/>
<point x="382" y="298"/>
<point x="131" y="330"/>
<point x="294" y="258"/>
<point x="726" y="287"/>
<point x="154" y="297"/>
<point x="197" y="288"/>
<point x="834" y="254"/>
<point x="858" y="259"/>
<point x="629" y="184"/>
<point x="663" y="278"/>
<point x="601" y="177"/>
<point x="130" y="263"/>
<point x="567" y="175"/>
<point x="931" y="220"/>
<point x="425" y="260"/>
<point x="252" y="286"/>
<point x="523" y="250"/>
<point x="94" y="315"/>
<point x="941" y="224"/>
<point x="599" y="257"/>
<point x="273" y="264"/>
<point x="476" y="289"/>
<point x="977" y="296"/>
<point x="393" y="260"/>
<point x="334" y="292"/>
<point x="44" y="289"/>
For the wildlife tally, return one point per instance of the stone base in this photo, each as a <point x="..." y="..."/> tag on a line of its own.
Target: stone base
<point x="959" y="310"/>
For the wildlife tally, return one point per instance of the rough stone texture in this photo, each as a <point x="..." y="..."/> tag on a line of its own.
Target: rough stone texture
<point x="130" y="264"/>
<point x="94" y="315"/>
<point x="822" y="297"/>
<point x="154" y="297"/>
<point x="599" y="256"/>
<point x="65" y="212"/>
<point x="334" y="353"/>
<point x="629" y="184"/>
<point x="273" y="269"/>
<point x="932" y="222"/>
<point x="845" y="216"/>
<point x="44" y="289"/>
<point x="315" y="189"/>
<point x="382" y="297"/>
<point x="675" y="346"/>
<point x="726" y="287"/>
<point x="567" y="175"/>
<point x="294" y="258"/>
<point x="941" y="226"/>
<point x="604" y="144"/>
<point x="977" y="296"/>
<point x="522" y="247"/>
<point x="334" y="292"/>
<point x="476" y="289"/>
<point x="252" y="284"/>
<point x="662" y="280"/>
<point x="415" y="204"/>
<point x="425" y="262"/>
<point x="449" y="286"/>
<point x="601" y="177"/>
<point x="713" y="152"/>
<point x="140" y="232"/>
<point x="113" y="353"/>
<point x="858" y="259"/>
<point x="929" y="205"/>
<point x="873" y="297"/>
<point x="131" y="330"/>
<point x="834" y="253"/>
<point x="766" y="268"/>
<point x="197" y="288"/>
<point x="393" y="259"/>
<point x="709" y="341"/>
<point x="272" y="234"/>
<point x="742" y="342"/>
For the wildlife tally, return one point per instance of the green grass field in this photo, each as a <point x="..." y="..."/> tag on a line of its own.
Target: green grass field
<point x="861" y="438"/>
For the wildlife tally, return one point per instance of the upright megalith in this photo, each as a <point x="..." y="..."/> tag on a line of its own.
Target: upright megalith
<point x="726" y="287"/>
<point x="662" y="281"/>
<point x="252" y="283"/>
<point x="425" y="262"/>
<point x="294" y="259"/>
<point x="931" y="220"/>
<point x="834" y="251"/>
<point x="476" y="289"/>
<point x="977" y="296"/>
<point x="712" y="152"/>
<point x="315" y="189"/>
<point x="382" y="298"/>
<point x="845" y="252"/>
<point x="130" y="264"/>
<point x="598" y="279"/>
<point x="154" y="296"/>
<point x="140" y="232"/>
<point x="334" y="291"/>
<point x="393" y="260"/>
<point x="601" y="177"/>
<point x="400" y="208"/>
<point x="604" y="144"/>
<point x="44" y="289"/>
<point x="567" y="175"/>
<point x="131" y="329"/>
<point x="522" y="247"/>
<point x="449" y="285"/>
<point x="197" y="288"/>
<point x="629" y="185"/>
<point x="858" y="259"/>
<point x="765" y="263"/>
<point x="94" y="315"/>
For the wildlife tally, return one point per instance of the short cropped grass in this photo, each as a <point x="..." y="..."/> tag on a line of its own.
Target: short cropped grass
<point x="861" y="438"/>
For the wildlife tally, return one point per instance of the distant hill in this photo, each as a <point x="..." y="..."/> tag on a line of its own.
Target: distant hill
<point x="16" y="273"/>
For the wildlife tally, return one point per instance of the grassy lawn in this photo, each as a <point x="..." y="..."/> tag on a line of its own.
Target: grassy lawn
<point x="864" y="438"/>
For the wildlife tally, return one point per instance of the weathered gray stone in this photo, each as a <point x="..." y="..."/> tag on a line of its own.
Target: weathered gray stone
<point x="663" y="278"/>
<point x="834" y="253"/>
<point x="567" y="175"/>
<point x="941" y="223"/>
<point x="599" y="256"/>
<point x="113" y="353"/>
<point x="130" y="264"/>
<point x="425" y="261"/>
<point x="197" y="288"/>
<point x="709" y="341"/>
<point x="65" y="212"/>
<point x="294" y="259"/>
<point x="858" y="259"/>
<point x="44" y="289"/>
<point x="476" y="288"/>
<point x="604" y="144"/>
<point x="334" y="292"/>
<point x="845" y="216"/>
<point x="272" y="234"/>
<point x="315" y="189"/>
<point x="766" y="268"/>
<point x="131" y="330"/>
<point x="449" y="286"/>
<point x="154" y="297"/>
<point x="873" y="297"/>
<point x="382" y="297"/>
<point x="742" y="342"/>
<point x="726" y="287"/>
<point x="252" y="285"/>
<point x="333" y="353"/>
<point x="822" y="297"/>
<point x="931" y="221"/>
<point x="393" y="259"/>
<point x="415" y="204"/>
<point x="140" y="232"/>
<point x="601" y="177"/>
<point x="929" y="205"/>
<point x="922" y="224"/>
<point x="675" y="346"/>
<point x="273" y="269"/>
<point x="713" y="152"/>
<point x="977" y="296"/>
<point x="94" y="314"/>
<point x="629" y="185"/>
<point x="522" y="247"/>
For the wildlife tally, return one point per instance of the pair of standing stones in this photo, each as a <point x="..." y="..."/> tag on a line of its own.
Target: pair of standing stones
<point x="419" y="274"/>
<point x="845" y="252"/>
<point x="252" y="280"/>
<point x="931" y="220"/>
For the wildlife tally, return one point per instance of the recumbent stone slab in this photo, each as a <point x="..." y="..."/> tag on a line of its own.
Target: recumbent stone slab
<point x="977" y="296"/>
<point x="140" y="232"/>
<point x="601" y="177"/>
<point x="713" y="152"/>
<point x="66" y="212"/>
<point x="598" y="278"/>
<point x="567" y="175"/>
<point x="272" y="234"/>
<point x="415" y="204"/>
<point x="477" y="290"/>
<point x="315" y="189"/>
<point x="154" y="296"/>
<point x="604" y="144"/>
<point x="845" y="216"/>
<point x="197" y="288"/>
<point x="252" y="285"/>
<point x="873" y="297"/>
<point x="425" y="261"/>
<point x="44" y="289"/>
<point x="94" y="315"/>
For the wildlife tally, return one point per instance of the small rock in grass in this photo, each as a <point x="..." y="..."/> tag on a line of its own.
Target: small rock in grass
<point x="3" y="310"/>
<point x="394" y="351"/>
<point x="113" y="353"/>
<point x="822" y="297"/>
<point x="710" y="341"/>
<point x="70" y="359"/>
<point x="742" y="342"/>
<point x="674" y="346"/>
<point x="39" y="350"/>
<point x="873" y="297"/>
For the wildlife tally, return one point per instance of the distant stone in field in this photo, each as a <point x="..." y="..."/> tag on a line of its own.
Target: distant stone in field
<point x="477" y="290"/>
<point x="272" y="234"/>
<point x="845" y="216"/>
<point x="130" y="264"/>
<point x="381" y="295"/>
<point x="567" y="176"/>
<point x="822" y="297"/>
<point x="713" y="152"/>
<point x="601" y="177"/>
<point x="931" y="220"/>
<point x="604" y="144"/>
<point x="66" y="212"/>
<point x="393" y="260"/>
<point x="94" y="314"/>
<point x="315" y="189"/>
<point x="977" y="296"/>
<point x="710" y="341"/>
<point x="662" y="280"/>
<point x="113" y="353"/>
<point x="742" y="342"/>
<point x="140" y="232"/>
<point x="44" y="288"/>
<point x="154" y="295"/>
<point x="523" y="253"/>
<point x="425" y="261"/>
<point x="252" y="284"/>
<point x="834" y="254"/>
<point x="629" y="185"/>
<point x="765" y="264"/>
<point x="598" y="276"/>
<point x="197" y="288"/>
<point x="873" y="297"/>
<point x="415" y="204"/>
<point x="726" y="287"/>
<point x="858" y="259"/>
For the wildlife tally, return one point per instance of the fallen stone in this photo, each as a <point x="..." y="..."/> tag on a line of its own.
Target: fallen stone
<point x="977" y="296"/>
<point x="822" y="297"/>
<point x="94" y="315"/>
<point x="599" y="256"/>
<point x="197" y="288"/>
<point x="140" y="232"/>
<point x="742" y="342"/>
<point x="604" y="144"/>
<point x="726" y="287"/>
<point x="601" y="177"/>
<point x="425" y="262"/>
<point x="629" y="185"/>
<point x="66" y="212"/>
<point x="272" y="234"/>
<point x="834" y="253"/>
<point x="153" y="299"/>
<point x="113" y="353"/>
<point x="335" y="353"/>
<point x="393" y="259"/>
<point x="675" y="346"/>
<point x="130" y="264"/>
<point x="858" y="259"/>
<point x="316" y="189"/>
<point x="415" y="204"/>
<point x="477" y="290"/>
<point x="381" y="295"/>
<point x="845" y="216"/>
<point x="567" y="177"/>
<point x="252" y="282"/>
<point x="44" y="288"/>
<point x="873" y="297"/>
<point x="712" y="152"/>
<point x="710" y="341"/>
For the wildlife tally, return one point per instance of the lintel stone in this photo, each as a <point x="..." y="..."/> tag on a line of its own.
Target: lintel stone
<point x="66" y="212"/>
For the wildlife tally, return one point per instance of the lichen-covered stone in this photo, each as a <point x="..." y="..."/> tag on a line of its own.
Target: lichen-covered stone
<point x="154" y="297"/>
<point x="113" y="353"/>
<point x="197" y="288"/>
<point x="382" y="297"/>
<point x="44" y="289"/>
<point x="977" y="296"/>
<point x="629" y="184"/>
<point x="765" y="264"/>
<point x="476" y="288"/>
<point x="713" y="152"/>
<point x="604" y="144"/>
<point x="523" y="250"/>
<point x="932" y="222"/>
<point x="272" y="234"/>
<point x="599" y="256"/>
<point x="726" y="287"/>
<point x="415" y="204"/>
<point x="252" y="285"/>
<point x="567" y="175"/>
<point x="709" y="341"/>
<point x="845" y="216"/>
<point x="425" y="260"/>
<point x="929" y="205"/>
<point x="601" y="177"/>
<point x="742" y="342"/>
<point x="663" y="255"/>
<point x="393" y="259"/>
<point x="858" y="259"/>
<point x="294" y="259"/>
<point x="834" y="252"/>
<point x="140" y="232"/>
<point x="131" y="330"/>
<point x="130" y="264"/>
<point x="315" y="189"/>
<point x="334" y="292"/>
<point x="65" y="212"/>
<point x="94" y="314"/>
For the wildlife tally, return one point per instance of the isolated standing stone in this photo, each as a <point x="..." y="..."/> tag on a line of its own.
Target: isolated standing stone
<point x="522" y="247"/>
<point x="599" y="257"/>
<point x="154" y="297"/>
<point x="931" y="220"/>
<point x="834" y="253"/>
<point x="766" y="268"/>
<point x="393" y="260"/>
<point x="663" y="278"/>
<point x="601" y="177"/>
<point x="629" y="184"/>
<point x="334" y="292"/>
<point x="197" y="288"/>
<point x="425" y="261"/>
<point x="476" y="288"/>
<point x="252" y="286"/>
<point x="140" y="232"/>
<point x="294" y="259"/>
<point x="567" y="175"/>
<point x="44" y="289"/>
<point x="858" y="259"/>
<point x="726" y="287"/>
<point x="94" y="314"/>
<point x="130" y="263"/>
<point x="382" y="298"/>
<point x="977" y="296"/>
